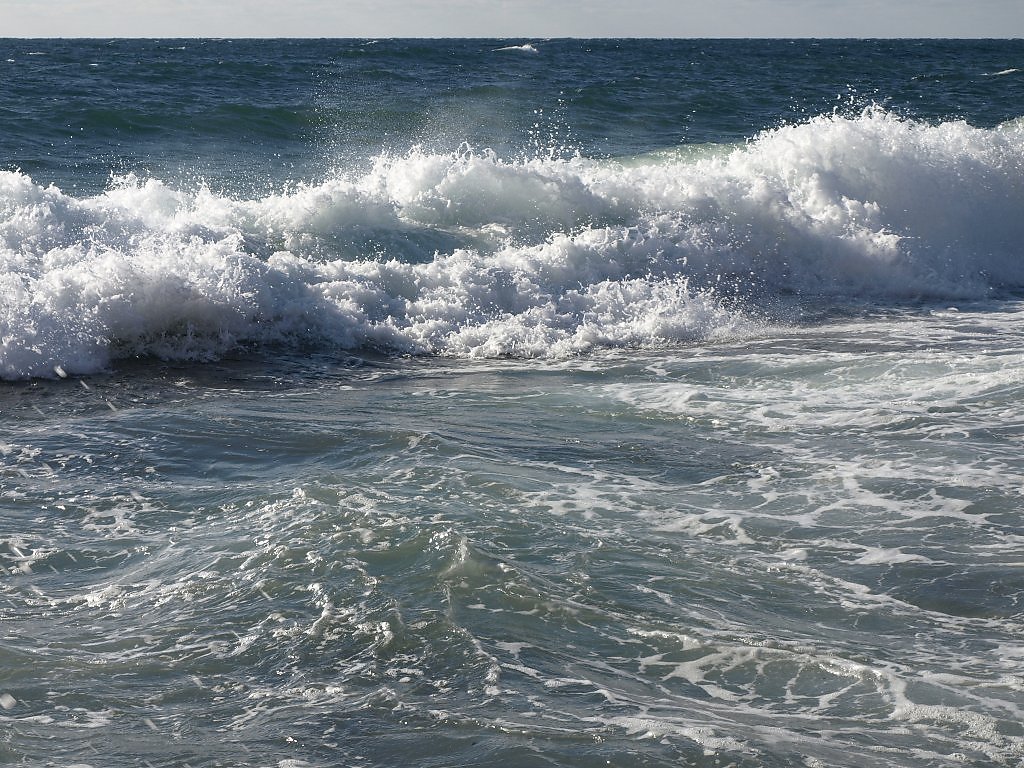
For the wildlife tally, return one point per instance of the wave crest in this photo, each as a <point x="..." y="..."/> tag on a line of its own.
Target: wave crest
<point x="468" y="254"/>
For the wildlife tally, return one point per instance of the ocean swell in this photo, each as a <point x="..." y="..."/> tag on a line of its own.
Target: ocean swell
<point x="467" y="254"/>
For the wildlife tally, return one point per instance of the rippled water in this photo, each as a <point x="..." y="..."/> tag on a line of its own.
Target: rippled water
<point x="773" y="552"/>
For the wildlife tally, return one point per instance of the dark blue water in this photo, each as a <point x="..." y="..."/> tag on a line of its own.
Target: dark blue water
<point x="257" y="112"/>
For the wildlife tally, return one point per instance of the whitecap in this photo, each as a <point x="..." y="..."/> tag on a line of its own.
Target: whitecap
<point x="471" y="255"/>
<point x="525" y="48"/>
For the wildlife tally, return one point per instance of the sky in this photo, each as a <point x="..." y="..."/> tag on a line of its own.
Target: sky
<point x="521" y="19"/>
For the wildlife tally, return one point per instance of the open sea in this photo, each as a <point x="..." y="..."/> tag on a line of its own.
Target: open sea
<point x="378" y="403"/>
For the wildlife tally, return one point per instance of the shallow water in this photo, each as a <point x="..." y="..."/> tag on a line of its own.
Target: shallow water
<point x="799" y="548"/>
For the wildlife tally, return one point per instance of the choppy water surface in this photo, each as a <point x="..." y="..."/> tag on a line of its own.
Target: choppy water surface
<point x="770" y="552"/>
<point x="598" y="440"/>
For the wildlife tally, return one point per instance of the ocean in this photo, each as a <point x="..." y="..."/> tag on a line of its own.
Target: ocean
<point x="511" y="403"/>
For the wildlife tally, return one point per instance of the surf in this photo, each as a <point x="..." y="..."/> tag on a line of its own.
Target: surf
<point x="466" y="253"/>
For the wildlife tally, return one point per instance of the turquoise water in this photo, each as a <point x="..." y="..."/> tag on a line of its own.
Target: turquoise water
<point x="462" y="403"/>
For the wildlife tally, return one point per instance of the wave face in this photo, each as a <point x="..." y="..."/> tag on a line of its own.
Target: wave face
<point x="468" y="254"/>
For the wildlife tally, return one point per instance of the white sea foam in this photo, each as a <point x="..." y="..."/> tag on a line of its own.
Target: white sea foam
<point x="525" y="48"/>
<point x="467" y="254"/>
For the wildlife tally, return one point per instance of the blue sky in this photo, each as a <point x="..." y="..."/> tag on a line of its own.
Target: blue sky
<point x="512" y="18"/>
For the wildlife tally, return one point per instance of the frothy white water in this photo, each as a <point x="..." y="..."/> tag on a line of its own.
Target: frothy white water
<point x="524" y="48"/>
<point x="467" y="254"/>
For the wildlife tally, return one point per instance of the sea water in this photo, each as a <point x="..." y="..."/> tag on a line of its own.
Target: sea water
<point x="521" y="403"/>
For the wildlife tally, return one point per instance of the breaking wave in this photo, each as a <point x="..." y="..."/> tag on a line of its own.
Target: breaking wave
<point x="469" y="254"/>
